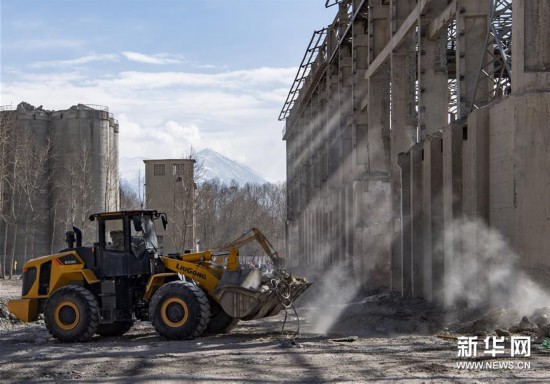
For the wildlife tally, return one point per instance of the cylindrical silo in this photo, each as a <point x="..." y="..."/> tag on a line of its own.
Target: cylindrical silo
<point x="80" y="138"/>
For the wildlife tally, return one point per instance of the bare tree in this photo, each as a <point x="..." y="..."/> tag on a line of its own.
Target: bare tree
<point x="74" y="189"/>
<point x="7" y="125"/>
<point x="112" y="182"/>
<point x="226" y="212"/>
<point x="128" y="198"/>
<point x="33" y="177"/>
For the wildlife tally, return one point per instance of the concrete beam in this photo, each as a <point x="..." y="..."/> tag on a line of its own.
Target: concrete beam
<point x="440" y="22"/>
<point x="396" y="40"/>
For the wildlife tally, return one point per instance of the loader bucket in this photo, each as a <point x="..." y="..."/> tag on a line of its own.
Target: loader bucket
<point x="247" y="294"/>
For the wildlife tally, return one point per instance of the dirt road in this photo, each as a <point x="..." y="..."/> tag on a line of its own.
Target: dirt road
<point x="255" y="352"/>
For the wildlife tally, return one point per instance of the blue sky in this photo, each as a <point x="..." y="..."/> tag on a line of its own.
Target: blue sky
<point x="211" y="73"/>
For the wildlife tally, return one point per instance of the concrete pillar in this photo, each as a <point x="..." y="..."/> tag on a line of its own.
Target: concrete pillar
<point x="377" y="234"/>
<point x="360" y="55"/>
<point x="378" y="93"/>
<point x="379" y="129"/>
<point x="475" y="166"/>
<point x="345" y="147"/>
<point x="433" y="98"/>
<point x="360" y="52"/>
<point x="416" y="222"/>
<point x="452" y="202"/>
<point x="402" y="136"/>
<point x="432" y="218"/>
<point x="403" y="270"/>
<point x="433" y="90"/>
<point x="472" y="24"/>
<point x="475" y="192"/>
<point x="333" y="180"/>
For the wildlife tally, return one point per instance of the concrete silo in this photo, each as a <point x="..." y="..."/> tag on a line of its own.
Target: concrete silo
<point x="60" y="166"/>
<point x="84" y="166"/>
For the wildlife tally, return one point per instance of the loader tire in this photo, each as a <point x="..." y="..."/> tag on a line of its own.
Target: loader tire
<point x="118" y="328"/>
<point x="179" y="310"/>
<point x="71" y="314"/>
<point x="220" y="322"/>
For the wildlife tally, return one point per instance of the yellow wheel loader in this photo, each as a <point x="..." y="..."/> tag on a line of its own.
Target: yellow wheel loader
<point x="104" y="288"/>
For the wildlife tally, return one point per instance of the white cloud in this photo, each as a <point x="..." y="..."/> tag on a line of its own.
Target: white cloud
<point x="160" y="58"/>
<point x="161" y="114"/>
<point x="75" y="62"/>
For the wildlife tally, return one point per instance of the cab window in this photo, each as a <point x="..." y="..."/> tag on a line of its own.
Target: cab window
<point x="114" y="235"/>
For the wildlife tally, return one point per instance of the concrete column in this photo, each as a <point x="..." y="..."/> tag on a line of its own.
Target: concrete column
<point x="452" y="202"/>
<point x="475" y="190"/>
<point x="403" y="269"/>
<point x="360" y="55"/>
<point x="416" y="222"/>
<point x="378" y="92"/>
<point x="360" y="52"/>
<point x="379" y="130"/>
<point x="345" y="146"/>
<point x="403" y="133"/>
<point x="475" y="166"/>
<point x="432" y="219"/>
<point x="433" y="89"/>
<point x="472" y="24"/>
<point x="377" y="234"/>
<point x="358" y="228"/>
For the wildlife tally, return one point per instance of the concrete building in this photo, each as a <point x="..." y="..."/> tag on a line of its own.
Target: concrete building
<point x="57" y="168"/>
<point x="412" y="122"/>
<point x="170" y="188"/>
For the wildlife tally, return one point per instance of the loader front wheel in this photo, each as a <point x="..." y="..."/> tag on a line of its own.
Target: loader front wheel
<point x="71" y="314"/>
<point x="179" y="310"/>
<point x="220" y="322"/>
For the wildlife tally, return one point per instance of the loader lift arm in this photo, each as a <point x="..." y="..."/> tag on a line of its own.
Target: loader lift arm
<point x="254" y="234"/>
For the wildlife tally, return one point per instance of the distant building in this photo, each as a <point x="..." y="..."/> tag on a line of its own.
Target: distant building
<point x="170" y="188"/>
<point x="56" y="168"/>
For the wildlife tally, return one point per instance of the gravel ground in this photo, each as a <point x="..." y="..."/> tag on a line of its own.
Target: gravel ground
<point x="256" y="351"/>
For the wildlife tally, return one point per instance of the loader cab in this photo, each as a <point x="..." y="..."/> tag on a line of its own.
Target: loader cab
<point x="127" y="242"/>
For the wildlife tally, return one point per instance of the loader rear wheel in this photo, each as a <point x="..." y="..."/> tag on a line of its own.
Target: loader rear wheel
<point x="118" y="328"/>
<point x="179" y="310"/>
<point x="220" y="322"/>
<point x="71" y="314"/>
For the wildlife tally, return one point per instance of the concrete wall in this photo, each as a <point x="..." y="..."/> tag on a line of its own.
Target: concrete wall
<point x="520" y="182"/>
<point x="401" y="212"/>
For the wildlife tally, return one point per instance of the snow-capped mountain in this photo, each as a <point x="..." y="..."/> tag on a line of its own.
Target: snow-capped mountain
<point x="213" y="165"/>
<point x="129" y="185"/>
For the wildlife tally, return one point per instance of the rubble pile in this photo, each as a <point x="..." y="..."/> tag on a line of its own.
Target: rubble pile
<point x="7" y="320"/>
<point x="381" y="314"/>
<point x="506" y="322"/>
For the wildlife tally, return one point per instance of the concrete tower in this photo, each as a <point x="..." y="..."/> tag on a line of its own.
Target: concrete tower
<point x="57" y="168"/>
<point x="170" y="188"/>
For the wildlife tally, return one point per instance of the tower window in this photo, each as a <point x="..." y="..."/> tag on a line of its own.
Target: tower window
<point x="158" y="170"/>
<point x="177" y="170"/>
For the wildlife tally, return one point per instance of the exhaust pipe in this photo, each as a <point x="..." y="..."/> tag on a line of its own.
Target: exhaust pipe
<point x="69" y="239"/>
<point x="78" y="233"/>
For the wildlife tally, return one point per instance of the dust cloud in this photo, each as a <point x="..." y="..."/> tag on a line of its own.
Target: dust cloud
<point x="334" y="291"/>
<point x="483" y="269"/>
